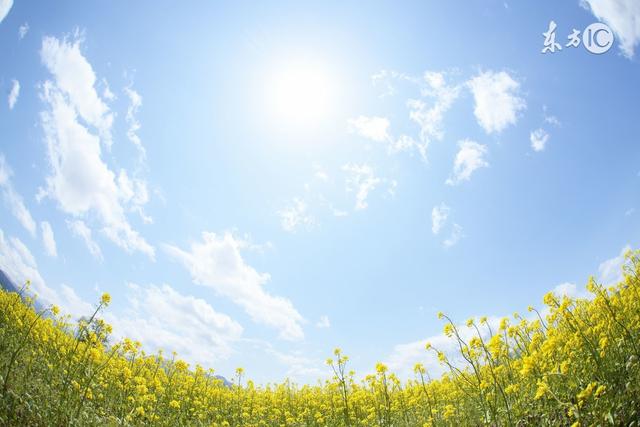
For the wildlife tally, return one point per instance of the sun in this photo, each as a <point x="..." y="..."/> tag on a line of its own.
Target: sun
<point x="300" y="92"/>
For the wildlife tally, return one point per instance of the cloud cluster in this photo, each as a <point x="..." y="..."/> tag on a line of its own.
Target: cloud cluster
<point x="217" y="262"/>
<point x="80" y="181"/>
<point x="162" y="318"/>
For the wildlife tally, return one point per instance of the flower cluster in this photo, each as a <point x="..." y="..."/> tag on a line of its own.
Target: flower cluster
<point x="576" y="362"/>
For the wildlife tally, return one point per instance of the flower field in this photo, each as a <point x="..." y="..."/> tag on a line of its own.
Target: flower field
<point x="574" y="362"/>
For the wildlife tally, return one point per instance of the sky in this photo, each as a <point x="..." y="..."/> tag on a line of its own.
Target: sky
<point x="256" y="184"/>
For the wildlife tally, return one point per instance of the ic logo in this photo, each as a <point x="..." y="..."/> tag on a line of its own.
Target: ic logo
<point x="597" y="38"/>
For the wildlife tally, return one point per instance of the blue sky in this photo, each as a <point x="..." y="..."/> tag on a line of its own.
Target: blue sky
<point x="256" y="184"/>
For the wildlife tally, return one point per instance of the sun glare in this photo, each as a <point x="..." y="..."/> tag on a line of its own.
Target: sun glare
<point x="300" y="92"/>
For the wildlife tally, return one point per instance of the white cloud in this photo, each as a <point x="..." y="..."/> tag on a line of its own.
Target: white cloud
<point x="80" y="229"/>
<point x="361" y="179"/>
<point x="610" y="271"/>
<point x="497" y="100"/>
<point x="135" y="101"/>
<point x="539" y="138"/>
<point x="48" y="239"/>
<point x="623" y="16"/>
<point x="13" y="95"/>
<point x="439" y="215"/>
<point x="80" y="181"/>
<point x="469" y="158"/>
<point x="217" y="262"/>
<point x="5" y="7"/>
<point x="162" y="318"/>
<point x="374" y="128"/>
<point x="454" y="237"/>
<point x="23" y="30"/>
<point x="295" y="215"/>
<point x="323" y="322"/>
<point x="13" y="200"/>
<point x="75" y="78"/>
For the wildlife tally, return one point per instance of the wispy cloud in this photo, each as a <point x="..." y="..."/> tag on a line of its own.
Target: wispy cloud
<point x="13" y="94"/>
<point x="48" y="240"/>
<point x="361" y="180"/>
<point x="439" y="215"/>
<point x="135" y="102"/>
<point x="23" y="30"/>
<point x="80" y="229"/>
<point x="13" y="200"/>
<point x="454" y="237"/>
<point x="295" y="216"/>
<point x="323" y="322"/>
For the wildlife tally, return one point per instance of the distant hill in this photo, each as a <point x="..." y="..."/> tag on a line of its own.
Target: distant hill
<point x="7" y="284"/>
<point x="225" y="381"/>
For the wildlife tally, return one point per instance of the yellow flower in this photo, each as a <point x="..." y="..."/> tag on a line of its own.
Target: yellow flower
<point x="542" y="389"/>
<point x="381" y="368"/>
<point x="105" y="299"/>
